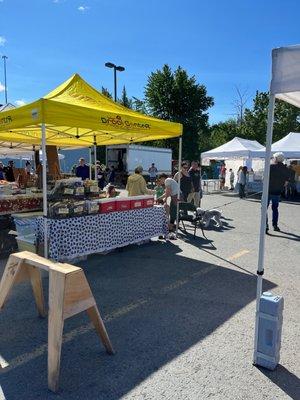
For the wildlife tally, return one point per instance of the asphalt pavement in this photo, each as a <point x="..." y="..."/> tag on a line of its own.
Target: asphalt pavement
<point x="180" y="315"/>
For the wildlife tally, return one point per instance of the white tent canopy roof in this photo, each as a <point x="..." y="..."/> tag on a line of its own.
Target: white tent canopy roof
<point x="285" y="84"/>
<point x="289" y="145"/>
<point x="237" y="147"/>
<point x="18" y="153"/>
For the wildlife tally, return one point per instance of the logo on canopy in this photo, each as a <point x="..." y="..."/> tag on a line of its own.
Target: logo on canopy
<point x="119" y="122"/>
<point x="5" y="120"/>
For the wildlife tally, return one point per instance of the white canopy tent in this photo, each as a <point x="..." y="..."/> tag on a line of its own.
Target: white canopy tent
<point x="285" y="85"/>
<point x="22" y="154"/>
<point x="289" y="145"/>
<point x="235" y="148"/>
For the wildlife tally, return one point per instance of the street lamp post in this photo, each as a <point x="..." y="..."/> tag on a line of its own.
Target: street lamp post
<point x="116" y="68"/>
<point x="5" y="83"/>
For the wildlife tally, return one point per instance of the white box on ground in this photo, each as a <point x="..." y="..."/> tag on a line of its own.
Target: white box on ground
<point x="269" y="330"/>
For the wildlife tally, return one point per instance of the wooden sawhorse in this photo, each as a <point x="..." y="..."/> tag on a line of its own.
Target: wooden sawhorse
<point x="69" y="294"/>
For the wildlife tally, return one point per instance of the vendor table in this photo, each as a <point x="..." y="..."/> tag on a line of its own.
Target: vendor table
<point x="20" y="203"/>
<point x="80" y="236"/>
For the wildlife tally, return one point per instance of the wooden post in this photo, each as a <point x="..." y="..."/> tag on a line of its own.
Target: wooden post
<point x="69" y="294"/>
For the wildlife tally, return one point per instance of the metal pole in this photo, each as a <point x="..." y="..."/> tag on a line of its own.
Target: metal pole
<point x="179" y="177"/>
<point x="5" y="81"/>
<point x="115" y="83"/>
<point x="95" y="160"/>
<point x="44" y="163"/>
<point x="263" y="218"/>
<point x="90" y="161"/>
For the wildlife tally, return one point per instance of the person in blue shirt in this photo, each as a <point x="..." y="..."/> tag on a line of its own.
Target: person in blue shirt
<point x="82" y="170"/>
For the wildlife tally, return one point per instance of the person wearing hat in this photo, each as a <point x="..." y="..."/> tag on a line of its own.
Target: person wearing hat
<point x="136" y="184"/>
<point x="279" y="176"/>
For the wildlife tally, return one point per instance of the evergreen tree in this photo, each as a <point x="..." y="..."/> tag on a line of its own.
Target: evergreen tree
<point x="125" y="101"/>
<point x="106" y="92"/>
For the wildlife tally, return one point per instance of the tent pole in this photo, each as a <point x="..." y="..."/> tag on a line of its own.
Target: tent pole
<point x="263" y="220"/>
<point x="95" y="161"/>
<point x="179" y="176"/>
<point x="90" y="161"/>
<point x="44" y="169"/>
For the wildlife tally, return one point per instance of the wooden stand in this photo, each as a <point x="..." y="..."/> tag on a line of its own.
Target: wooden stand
<point x="69" y="294"/>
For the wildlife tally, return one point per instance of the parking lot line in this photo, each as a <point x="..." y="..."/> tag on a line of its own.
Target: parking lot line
<point x="238" y="255"/>
<point x="26" y="357"/>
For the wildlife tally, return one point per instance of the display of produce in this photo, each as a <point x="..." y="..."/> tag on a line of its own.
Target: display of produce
<point x="91" y="188"/>
<point x="67" y="188"/>
<point x="77" y="208"/>
<point x="59" y="209"/>
<point x="20" y="203"/>
<point x="92" y="206"/>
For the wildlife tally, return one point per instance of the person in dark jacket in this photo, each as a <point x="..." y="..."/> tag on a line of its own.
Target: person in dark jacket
<point x="185" y="181"/>
<point x="279" y="176"/>
<point x="9" y="172"/>
<point x="83" y="170"/>
<point x="195" y="175"/>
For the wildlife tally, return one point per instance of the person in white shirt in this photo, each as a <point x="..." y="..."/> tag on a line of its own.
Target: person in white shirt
<point x="171" y="191"/>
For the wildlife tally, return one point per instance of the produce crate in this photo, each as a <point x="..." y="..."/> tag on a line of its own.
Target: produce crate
<point x="122" y="204"/>
<point x="107" y="205"/>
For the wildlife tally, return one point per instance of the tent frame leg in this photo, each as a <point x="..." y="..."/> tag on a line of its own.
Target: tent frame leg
<point x="179" y="176"/>
<point x="45" y="205"/>
<point x="90" y="161"/>
<point x="95" y="161"/>
<point x="263" y="219"/>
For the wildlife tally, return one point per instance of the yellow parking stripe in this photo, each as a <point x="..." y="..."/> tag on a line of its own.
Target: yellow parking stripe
<point x="238" y="255"/>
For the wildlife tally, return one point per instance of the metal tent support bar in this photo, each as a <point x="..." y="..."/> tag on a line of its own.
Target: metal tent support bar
<point x="179" y="177"/>
<point x="45" y="206"/>
<point x="90" y="161"/>
<point x="263" y="218"/>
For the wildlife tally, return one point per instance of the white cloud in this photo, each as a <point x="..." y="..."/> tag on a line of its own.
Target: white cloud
<point x="83" y="8"/>
<point x="2" y="87"/>
<point x="20" y="102"/>
<point x="2" y="40"/>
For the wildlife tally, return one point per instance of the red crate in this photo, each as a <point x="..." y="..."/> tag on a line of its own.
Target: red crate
<point x="107" y="205"/>
<point x="148" y="201"/>
<point x="137" y="202"/>
<point x="122" y="204"/>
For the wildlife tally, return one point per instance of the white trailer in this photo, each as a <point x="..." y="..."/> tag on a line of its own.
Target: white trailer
<point x="127" y="157"/>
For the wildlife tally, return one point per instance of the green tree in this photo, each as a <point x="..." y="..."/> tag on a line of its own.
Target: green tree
<point x="106" y="92"/>
<point x="125" y="101"/>
<point x="176" y="96"/>
<point x="221" y="133"/>
<point x="286" y="118"/>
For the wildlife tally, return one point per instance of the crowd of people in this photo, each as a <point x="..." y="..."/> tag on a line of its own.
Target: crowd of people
<point x="104" y="175"/>
<point x="166" y="188"/>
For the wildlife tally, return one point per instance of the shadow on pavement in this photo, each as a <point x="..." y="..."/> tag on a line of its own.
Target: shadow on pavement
<point x="156" y="304"/>
<point x="285" y="380"/>
<point x="286" y="235"/>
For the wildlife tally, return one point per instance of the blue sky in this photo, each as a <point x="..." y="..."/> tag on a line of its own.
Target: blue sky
<point x="223" y="43"/>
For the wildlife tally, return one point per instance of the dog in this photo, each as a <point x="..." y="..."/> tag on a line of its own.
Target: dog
<point x="210" y="215"/>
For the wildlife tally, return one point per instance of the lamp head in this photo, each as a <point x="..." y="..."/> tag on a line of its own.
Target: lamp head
<point x="119" y="68"/>
<point x="109" y="65"/>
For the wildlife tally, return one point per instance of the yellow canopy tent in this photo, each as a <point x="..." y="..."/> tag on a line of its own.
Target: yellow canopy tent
<point x="76" y="114"/>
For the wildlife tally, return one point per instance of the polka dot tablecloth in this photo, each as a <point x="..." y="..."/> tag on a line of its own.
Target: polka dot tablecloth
<point x="80" y="236"/>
